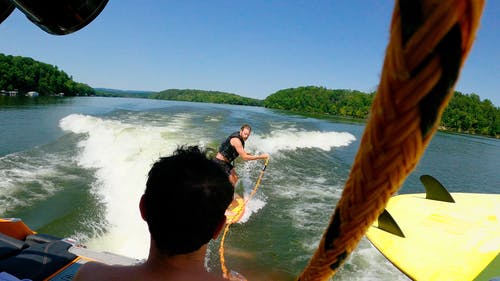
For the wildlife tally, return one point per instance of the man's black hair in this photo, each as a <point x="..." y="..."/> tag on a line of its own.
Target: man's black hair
<point x="185" y="200"/>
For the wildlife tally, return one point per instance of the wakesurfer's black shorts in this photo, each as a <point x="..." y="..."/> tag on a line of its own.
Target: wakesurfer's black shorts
<point x="226" y="167"/>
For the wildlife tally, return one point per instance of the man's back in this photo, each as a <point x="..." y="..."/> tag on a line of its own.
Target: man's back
<point x="93" y="271"/>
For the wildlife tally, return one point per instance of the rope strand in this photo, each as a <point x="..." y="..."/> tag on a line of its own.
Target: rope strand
<point x="225" y="271"/>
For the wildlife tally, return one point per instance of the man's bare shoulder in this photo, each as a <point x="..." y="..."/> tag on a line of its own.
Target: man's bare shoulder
<point x="100" y="271"/>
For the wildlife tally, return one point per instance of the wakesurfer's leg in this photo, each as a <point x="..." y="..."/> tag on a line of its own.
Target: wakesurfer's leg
<point x="233" y="178"/>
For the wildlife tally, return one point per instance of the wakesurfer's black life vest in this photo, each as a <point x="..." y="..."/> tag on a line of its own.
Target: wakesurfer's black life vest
<point x="227" y="150"/>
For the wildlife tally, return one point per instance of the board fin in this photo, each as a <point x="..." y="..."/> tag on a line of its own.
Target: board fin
<point x="386" y="222"/>
<point x="434" y="190"/>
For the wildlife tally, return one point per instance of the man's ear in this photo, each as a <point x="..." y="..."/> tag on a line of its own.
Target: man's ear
<point x="142" y="207"/>
<point x="220" y="226"/>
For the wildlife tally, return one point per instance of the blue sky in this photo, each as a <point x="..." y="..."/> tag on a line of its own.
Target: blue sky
<point x="250" y="48"/>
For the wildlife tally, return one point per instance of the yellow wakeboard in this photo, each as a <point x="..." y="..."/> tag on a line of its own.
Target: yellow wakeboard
<point x="235" y="210"/>
<point x="430" y="239"/>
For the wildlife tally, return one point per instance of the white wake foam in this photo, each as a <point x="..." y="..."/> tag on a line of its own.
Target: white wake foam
<point x="292" y="139"/>
<point x="122" y="155"/>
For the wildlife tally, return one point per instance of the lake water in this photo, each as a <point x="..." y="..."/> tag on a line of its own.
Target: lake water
<point x="77" y="166"/>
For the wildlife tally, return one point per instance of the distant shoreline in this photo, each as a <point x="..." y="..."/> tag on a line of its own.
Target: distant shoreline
<point x="233" y="100"/>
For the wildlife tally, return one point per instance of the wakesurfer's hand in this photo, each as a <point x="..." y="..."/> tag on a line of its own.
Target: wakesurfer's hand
<point x="264" y="156"/>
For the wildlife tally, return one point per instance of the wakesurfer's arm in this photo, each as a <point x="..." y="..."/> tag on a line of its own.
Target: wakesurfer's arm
<point x="236" y="143"/>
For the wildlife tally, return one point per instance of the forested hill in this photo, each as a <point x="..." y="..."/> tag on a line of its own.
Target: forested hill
<point x="205" y="96"/>
<point x="349" y="103"/>
<point x="26" y="74"/>
<point x="466" y="113"/>
<point x="105" y="92"/>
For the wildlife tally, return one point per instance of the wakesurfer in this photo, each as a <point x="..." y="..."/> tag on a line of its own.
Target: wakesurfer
<point x="231" y="148"/>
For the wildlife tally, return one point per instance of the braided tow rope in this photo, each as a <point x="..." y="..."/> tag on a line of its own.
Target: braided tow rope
<point x="429" y="42"/>
<point x="225" y="271"/>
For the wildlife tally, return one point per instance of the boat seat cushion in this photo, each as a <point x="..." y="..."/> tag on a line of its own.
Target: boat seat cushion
<point x="40" y="238"/>
<point x="10" y="246"/>
<point x="38" y="261"/>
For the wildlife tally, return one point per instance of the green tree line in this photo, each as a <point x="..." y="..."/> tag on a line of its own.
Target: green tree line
<point x="26" y="74"/>
<point x="341" y="102"/>
<point x="465" y="113"/>
<point x="114" y="93"/>
<point x="205" y="96"/>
